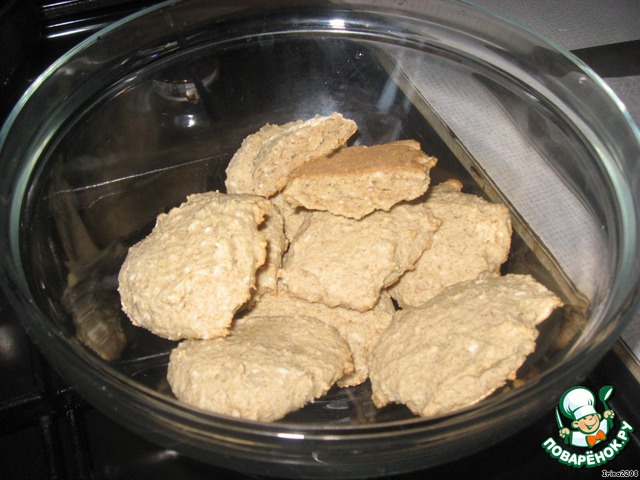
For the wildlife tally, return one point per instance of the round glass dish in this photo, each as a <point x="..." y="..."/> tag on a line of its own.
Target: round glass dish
<point x="151" y="109"/>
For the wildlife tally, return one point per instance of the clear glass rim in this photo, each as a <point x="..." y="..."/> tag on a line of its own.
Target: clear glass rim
<point x="626" y="306"/>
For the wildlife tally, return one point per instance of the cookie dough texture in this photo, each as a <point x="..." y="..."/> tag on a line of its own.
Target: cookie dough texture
<point x="293" y="217"/>
<point x="197" y="267"/>
<point x="266" y="368"/>
<point x="361" y="330"/>
<point x="339" y="261"/>
<point x="273" y="229"/>
<point x="358" y="180"/>
<point x="474" y="238"/>
<point x="265" y="159"/>
<point x="460" y="346"/>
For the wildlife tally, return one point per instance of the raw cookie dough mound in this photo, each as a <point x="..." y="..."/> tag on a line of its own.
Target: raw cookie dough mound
<point x="344" y="262"/>
<point x="461" y="345"/>
<point x="266" y="368"/>
<point x="360" y="330"/>
<point x="265" y="159"/>
<point x="475" y="237"/>
<point x="196" y="268"/>
<point x="358" y="180"/>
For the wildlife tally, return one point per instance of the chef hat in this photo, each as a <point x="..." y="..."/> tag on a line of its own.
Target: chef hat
<point x="578" y="402"/>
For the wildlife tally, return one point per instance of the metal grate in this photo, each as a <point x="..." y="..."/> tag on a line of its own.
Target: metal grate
<point x="78" y="17"/>
<point x="34" y="408"/>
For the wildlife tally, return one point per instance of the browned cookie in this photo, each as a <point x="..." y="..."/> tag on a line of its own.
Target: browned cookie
<point x="358" y="180"/>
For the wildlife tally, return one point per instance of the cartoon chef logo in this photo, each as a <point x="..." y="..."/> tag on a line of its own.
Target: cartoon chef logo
<point x="588" y="427"/>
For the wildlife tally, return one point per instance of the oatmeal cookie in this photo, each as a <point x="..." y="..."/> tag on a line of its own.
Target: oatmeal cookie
<point x="266" y="368"/>
<point x="265" y="159"/>
<point x="196" y="268"/>
<point x="339" y="261"/>
<point x="361" y="330"/>
<point x="474" y="238"/>
<point x="461" y="345"/>
<point x="358" y="180"/>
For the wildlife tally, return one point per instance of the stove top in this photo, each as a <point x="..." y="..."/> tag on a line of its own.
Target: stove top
<point x="47" y="431"/>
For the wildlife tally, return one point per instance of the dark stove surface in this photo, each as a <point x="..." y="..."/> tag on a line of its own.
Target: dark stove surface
<point x="47" y="431"/>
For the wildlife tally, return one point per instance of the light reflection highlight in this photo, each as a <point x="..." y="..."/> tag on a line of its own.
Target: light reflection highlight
<point x="291" y="436"/>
